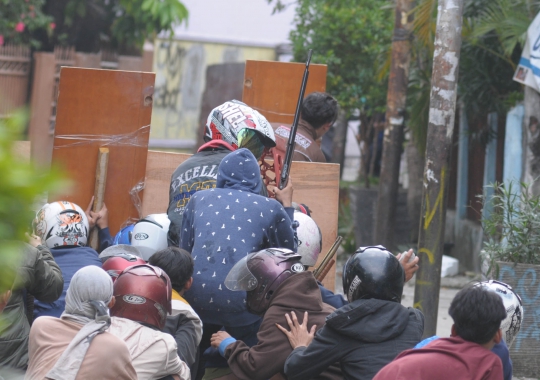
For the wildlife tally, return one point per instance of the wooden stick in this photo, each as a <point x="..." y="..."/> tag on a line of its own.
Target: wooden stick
<point x="99" y="190"/>
<point x="320" y="277"/>
<point x="321" y="269"/>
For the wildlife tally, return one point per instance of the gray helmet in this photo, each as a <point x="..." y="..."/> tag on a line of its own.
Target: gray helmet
<point x="373" y="272"/>
<point x="261" y="273"/>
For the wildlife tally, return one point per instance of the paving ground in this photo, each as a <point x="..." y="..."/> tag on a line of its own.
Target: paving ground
<point x="449" y="287"/>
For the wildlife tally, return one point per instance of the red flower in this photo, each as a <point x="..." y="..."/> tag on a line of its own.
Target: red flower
<point x="19" y="27"/>
<point x="52" y="25"/>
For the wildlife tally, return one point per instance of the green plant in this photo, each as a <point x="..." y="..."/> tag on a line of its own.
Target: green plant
<point x="20" y="18"/>
<point x="21" y="184"/>
<point x="352" y="37"/>
<point x="512" y="227"/>
<point x="123" y="25"/>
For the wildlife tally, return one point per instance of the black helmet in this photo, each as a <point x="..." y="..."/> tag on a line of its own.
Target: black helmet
<point x="261" y="273"/>
<point x="373" y="272"/>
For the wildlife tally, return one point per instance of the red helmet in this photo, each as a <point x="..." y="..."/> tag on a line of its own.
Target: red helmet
<point x="143" y="294"/>
<point x="116" y="264"/>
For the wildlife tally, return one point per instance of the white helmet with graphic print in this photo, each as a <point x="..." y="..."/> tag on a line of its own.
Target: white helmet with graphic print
<point x="150" y="234"/>
<point x="60" y="224"/>
<point x="511" y="325"/>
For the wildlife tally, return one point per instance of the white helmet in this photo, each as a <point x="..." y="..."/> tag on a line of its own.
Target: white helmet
<point x="309" y="239"/>
<point x="514" y="309"/>
<point x="61" y="223"/>
<point x="150" y="234"/>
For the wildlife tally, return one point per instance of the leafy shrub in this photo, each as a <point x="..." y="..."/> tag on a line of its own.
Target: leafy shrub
<point x="512" y="228"/>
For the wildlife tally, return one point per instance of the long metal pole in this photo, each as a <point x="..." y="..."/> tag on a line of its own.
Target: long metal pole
<point x="436" y="174"/>
<point x="393" y="132"/>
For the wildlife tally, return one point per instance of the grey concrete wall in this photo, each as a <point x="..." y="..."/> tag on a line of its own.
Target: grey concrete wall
<point x="466" y="237"/>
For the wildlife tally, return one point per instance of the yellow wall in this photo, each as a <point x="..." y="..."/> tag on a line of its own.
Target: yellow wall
<point x="180" y="68"/>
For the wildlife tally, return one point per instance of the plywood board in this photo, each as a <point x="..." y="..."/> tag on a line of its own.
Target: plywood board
<point x="104" y="108"/>
<point x="315" y="184"/>
<point x="272" y="88"/>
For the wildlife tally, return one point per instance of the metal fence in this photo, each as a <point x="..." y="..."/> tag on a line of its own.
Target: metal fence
<point x="14" y="74"/>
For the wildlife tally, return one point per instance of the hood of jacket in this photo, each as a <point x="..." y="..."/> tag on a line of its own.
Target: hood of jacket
<point x="370" y="320"/>
<point x="239" y="170"/>
<point x="299" y="292"/>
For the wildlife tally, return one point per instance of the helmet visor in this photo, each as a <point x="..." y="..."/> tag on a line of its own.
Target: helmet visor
<point x="240" y="277"/>
<point x="116" y="250"/>
<point x="249" y="138"/>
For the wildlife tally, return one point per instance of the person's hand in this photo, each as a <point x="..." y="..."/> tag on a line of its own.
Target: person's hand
<point x="299" y="336"/>
<point x="284" y="196"/>
<point x="409" y="266"/>
<point x="101" y="217"/>
<point x="218" y="337"/>
<point x="92" y="219"/>
<point x="33" y="240"/>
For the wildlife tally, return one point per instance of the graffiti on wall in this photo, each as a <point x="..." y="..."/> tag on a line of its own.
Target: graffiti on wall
<point x="527" y="285"/>
<point x="180" y="68"/>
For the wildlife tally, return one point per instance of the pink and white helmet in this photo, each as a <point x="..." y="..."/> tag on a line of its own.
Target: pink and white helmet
<point x="60" y="224"/>
<point x="309" y="238"/>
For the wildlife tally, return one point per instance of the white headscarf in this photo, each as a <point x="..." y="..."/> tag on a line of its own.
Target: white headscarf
<point x="88" y="295"/>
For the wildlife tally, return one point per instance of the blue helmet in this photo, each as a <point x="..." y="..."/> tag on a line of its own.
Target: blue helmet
<point x="124" y="235"/>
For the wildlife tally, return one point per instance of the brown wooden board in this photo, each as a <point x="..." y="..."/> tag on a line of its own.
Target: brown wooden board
<point x="315" y="184"/>
<point x="104" y="108"/>
<point x="272" y="88"/>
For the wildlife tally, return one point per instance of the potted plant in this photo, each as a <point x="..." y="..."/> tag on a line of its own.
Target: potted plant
<point x="511" y="254"/>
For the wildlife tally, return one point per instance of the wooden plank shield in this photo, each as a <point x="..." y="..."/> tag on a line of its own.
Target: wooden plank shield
<point x="272" y="88"/>
<point x="104" y="108"/>
<point x="315" y="184"/>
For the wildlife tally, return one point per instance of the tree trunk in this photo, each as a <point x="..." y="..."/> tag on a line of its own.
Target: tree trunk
<point x="442" y="108"/>
<point x="393" y="134"/>
<point x="415" y="165"/>
<point x="531" y="140"/>
<point x="340" y="140"/>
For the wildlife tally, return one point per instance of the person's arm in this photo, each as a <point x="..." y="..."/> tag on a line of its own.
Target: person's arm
<point x="501" y="350"/>
<point x="149" y="365"/>
<point x="186" y="232"/>
<point x="45" y="281"/>
<point x="187" y="333"/>
<point x="311" y="355"/>
<point x="409" y="266"/>
<point x="259" y="362"/>
<point x="329" y="298"/>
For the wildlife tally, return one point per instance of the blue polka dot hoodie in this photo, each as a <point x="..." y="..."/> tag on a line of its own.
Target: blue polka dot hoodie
<point x="223" y="225"/>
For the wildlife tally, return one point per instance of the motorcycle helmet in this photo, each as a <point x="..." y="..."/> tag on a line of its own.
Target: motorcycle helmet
<point x="143" y="294"/>
<point x="511" y="325"/>
<point x="124" y="235"/>
<point x="373" y="272"/>
<point x="261" y="273"/>
<point x="114" y="265"/>
<point x="150" y="234"/>
<point x="60" y="224"/>
<point x="309" y="238"/>
<point x="241" y="126"/>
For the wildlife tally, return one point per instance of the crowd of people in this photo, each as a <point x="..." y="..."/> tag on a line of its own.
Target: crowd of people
<point x="220" y="286"/>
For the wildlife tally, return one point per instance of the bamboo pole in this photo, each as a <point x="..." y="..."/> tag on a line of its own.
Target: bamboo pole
<point x="99" y="190"/>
